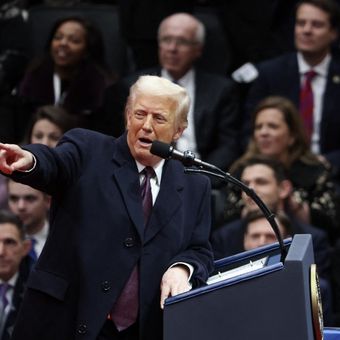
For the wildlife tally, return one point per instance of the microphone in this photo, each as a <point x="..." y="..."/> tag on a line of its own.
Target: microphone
<point x="188" y="159"/>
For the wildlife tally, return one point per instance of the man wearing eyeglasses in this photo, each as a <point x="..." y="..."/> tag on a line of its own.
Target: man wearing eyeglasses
<point x="213" y="116"/>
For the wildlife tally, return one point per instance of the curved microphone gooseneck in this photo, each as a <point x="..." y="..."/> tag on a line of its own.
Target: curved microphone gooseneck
<point x="188" y="158"/>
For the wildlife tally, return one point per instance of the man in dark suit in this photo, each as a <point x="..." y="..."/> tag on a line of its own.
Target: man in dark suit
<point x="316" y="29"/>
<point x="32" y="207"/>
<point x="213" y="117"/>
<point x="15" y="266"/>
<point x="267" y="177"/>
<point x="101" y="242"/>
<point x="269" y="181"/>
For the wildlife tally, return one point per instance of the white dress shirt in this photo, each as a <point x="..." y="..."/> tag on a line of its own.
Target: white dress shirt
<point x="9" y="293"/>
<point x="318" y="87"/>
<point x="40" y="238"/>
<point x="188" y="139"/>
<point x="155" y="183"/>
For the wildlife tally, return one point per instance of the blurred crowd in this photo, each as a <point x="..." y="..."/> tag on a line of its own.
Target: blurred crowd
<point x="264" y="83"/>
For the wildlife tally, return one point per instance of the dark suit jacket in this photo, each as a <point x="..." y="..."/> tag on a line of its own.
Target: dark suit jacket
<point x="97" y="236"/>
<point x="280" y="76"/>
<point x="18" y="294"/>
<point x="216" y="115"/>
<point x="228" y="240"/>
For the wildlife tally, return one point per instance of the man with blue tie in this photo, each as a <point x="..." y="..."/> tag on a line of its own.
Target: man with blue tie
<point x="128" y="229"/>
<point x="15" y="266"/>
<point x="32" y="207"/>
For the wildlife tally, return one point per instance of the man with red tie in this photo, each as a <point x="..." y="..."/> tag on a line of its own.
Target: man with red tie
<point x="309" y="77"/>
<point x="126" y="232"/>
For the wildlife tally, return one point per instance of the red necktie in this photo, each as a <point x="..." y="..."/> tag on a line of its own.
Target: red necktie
<point x="149" y="173"/>
<point x="125" y="311"/>
<point x="307" y="102"/>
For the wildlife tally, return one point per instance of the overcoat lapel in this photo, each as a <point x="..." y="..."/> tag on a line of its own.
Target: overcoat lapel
<point x="169" y="199"/>
<point x="127" y="178"/>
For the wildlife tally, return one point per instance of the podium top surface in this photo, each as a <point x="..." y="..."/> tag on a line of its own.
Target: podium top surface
<point x="249" y="265"/>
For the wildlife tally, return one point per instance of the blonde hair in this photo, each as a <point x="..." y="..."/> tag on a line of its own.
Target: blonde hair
<point x="164" y="89"/>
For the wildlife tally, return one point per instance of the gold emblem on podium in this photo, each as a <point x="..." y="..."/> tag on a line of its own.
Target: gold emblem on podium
<point x="317" y="316"/>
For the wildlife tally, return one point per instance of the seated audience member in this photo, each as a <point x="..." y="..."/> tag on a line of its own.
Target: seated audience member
<point x="316" y="94"/>
<point x="32" y="207"/>
<point x="15" y="267"/>
<point x="267" y="178"/>
<point x="139" y="21"/>
<point x="258" y="231"/>
<point x="72" y="73"/>
<point x="48" y="124"/>
<point x="213" y="115"/>
<point x="278" y="134"/>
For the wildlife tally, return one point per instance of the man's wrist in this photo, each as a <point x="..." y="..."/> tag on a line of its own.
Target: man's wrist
<point x="32" y="167"/>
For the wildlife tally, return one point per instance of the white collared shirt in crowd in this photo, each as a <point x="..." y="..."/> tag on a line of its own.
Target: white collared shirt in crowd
<point x="318" y="87"/>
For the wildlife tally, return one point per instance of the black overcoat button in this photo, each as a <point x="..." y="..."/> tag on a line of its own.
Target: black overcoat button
<point x="129" y="242"/>
<point x="106" y="286"/>
<point x="82" y="329"/>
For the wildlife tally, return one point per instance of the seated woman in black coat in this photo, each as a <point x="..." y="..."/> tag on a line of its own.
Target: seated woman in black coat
<point x="278" y="133"/>
<point x="71" y="74"/>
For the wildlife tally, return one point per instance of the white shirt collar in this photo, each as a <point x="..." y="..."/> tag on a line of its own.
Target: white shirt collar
<point x="40" y="238"/>
<point x="42" y="234"/>
<point x="12" y="281"/>
<point x="320" y="69"/>
<point x="158" y="169"/>
<point x="187" y="79"/>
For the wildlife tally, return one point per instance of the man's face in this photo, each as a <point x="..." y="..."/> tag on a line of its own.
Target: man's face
<point x="261" y="179"/>
<point x="259" y="233"/>
<point x="150" y="118"/>
<point x="30" y="205"/>
<point x="313" y="32"/>
<point x="12" y="250"/>
<point x="177" y="47"/>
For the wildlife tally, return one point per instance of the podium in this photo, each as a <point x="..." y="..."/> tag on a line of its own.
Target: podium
<point x="252" y="296"/>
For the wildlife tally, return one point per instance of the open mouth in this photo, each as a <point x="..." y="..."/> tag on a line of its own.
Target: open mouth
<point x="145" y="141"/>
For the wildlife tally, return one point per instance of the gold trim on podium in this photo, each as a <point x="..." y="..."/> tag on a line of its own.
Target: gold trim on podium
<point x="317" y="316"/>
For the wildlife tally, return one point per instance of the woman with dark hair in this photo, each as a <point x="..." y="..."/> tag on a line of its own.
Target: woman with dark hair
<point x="48" y="124"/>
<point x="278" y="133"/>
<point x="71" y="74"/>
